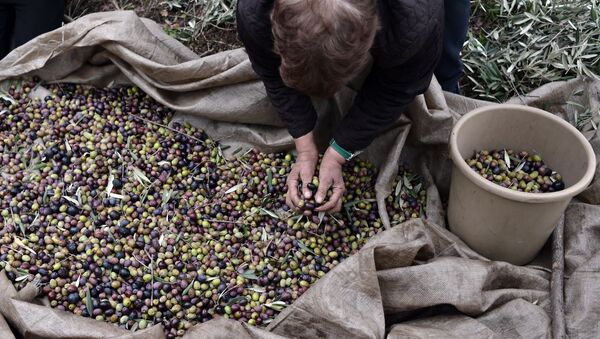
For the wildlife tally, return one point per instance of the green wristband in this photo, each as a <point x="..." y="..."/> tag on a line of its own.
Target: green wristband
<point x="345" y="154"/>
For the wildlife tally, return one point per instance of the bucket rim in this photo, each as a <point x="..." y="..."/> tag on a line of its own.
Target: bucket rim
<point x="568" y="193"/>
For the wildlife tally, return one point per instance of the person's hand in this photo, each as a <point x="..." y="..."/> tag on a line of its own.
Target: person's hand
<point x="330" y="176"/>
<point x="302" y="171"/>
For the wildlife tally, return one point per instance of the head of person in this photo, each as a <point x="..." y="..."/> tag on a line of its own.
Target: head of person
<point x="322" y="43"/>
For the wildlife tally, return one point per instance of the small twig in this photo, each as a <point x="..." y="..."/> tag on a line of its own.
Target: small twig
<point x="114" y="2"/>
<point x="152" y="274"/>
<point x="141" y="263"/>
<point x="224" y="221"/>
<point x="221" y="29"/>
<point x="226" y="291"/>
<point x="167" y="127"/>
<point x="313" y="233"/>
<point x="12" y="249"/>
<point x="208" y="52"/>
<point x="267" y="247"/>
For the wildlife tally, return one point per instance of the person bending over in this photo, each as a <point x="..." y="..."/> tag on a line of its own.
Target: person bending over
<point x="303" y="48"/>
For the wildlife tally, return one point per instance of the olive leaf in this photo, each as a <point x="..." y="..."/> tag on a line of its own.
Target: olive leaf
<point x="67" y="145"/>
<point x="22" y="245"/>
<point x="45" y="196"/>
<point x="140" y="176"/>
<point x="234" y="188"/>
<point x="277" y="305"/>
<point x="269" y="213"/>
<point x="257" y="289"/>
<point x="37" y="165"/>
<point x="321" y="216"/>
<point x="269" y="179"/>
<point x="109" y="186"/>
<point x="88" y="301"/>
<point x="249" y="274"/>
<point x="162" y="281"/>
<point x="135" y="326"/>
<point x="7" y="97"/>
<point x="304" y="247"/>
<point x="507" y="159"/>
<point x="187" y="289"/>
<point x="264" y="236"/>
<point x="398" y="188"/>
<point x="166" y="196"/>
<point x="235" y="300"/>
<point x="348" y="214"/>
<point x="407" y="182"/>
<point x="117" y="196"/>
<point x="236" y="151"/>
<point x="89" y="136"/>
<point x="71" y="200"/>
<point x="37" y="215"/>
<point x="22" y="271"/>
<point x="352" y="203"/>
<point x="22" y="277"/>
<point x="520" y="166"/>
<point x="17" y="220"/>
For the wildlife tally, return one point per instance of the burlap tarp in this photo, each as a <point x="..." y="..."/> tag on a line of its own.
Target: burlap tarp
<point x="415" y="280"/>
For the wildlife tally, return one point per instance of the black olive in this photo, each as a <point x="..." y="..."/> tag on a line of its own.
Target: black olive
<point x="558" y="185"/>
<point x="73" y="298"/>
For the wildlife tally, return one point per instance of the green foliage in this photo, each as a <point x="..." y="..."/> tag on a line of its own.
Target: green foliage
<point x="523" y="44"/>
<point x="219" y="12"/>
<point x="205" y="26"/>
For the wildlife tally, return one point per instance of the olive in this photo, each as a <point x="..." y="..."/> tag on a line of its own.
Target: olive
<point x="73" y="298"/>
<point x="72" y="247"/>
<point x="526" y="173"/>
<point x="558" y="185"/>
<point x="72" y="210"/>
<point x="142" y="216"/>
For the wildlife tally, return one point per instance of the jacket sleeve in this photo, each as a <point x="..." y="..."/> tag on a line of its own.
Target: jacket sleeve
<point x="294" y="108"/>
<point x="384" y="96"/>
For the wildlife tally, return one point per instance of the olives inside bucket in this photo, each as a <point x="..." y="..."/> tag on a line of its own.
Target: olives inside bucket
<point x="500" y="223"/>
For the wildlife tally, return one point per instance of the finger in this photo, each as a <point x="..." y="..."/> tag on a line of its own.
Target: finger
<point x="324" y="185"/>
<point x="334" y="201"/>
<point x="338" y="206"/>
<point x="306" y="178"/>
<point x="328" y="206"/>
<point x="289" y="202"/>
<point x="292" y="196"/>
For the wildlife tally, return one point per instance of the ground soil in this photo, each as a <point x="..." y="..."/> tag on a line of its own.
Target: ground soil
<point x="205" y="41"/>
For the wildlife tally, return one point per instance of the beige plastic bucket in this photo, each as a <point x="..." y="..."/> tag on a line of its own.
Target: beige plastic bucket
<point x="499" y="223"/>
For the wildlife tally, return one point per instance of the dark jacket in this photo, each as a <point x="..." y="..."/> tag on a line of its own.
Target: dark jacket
<point x="405" y="53"/>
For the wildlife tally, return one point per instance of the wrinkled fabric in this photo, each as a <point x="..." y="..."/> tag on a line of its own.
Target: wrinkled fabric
<point x="416" y="279"/>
